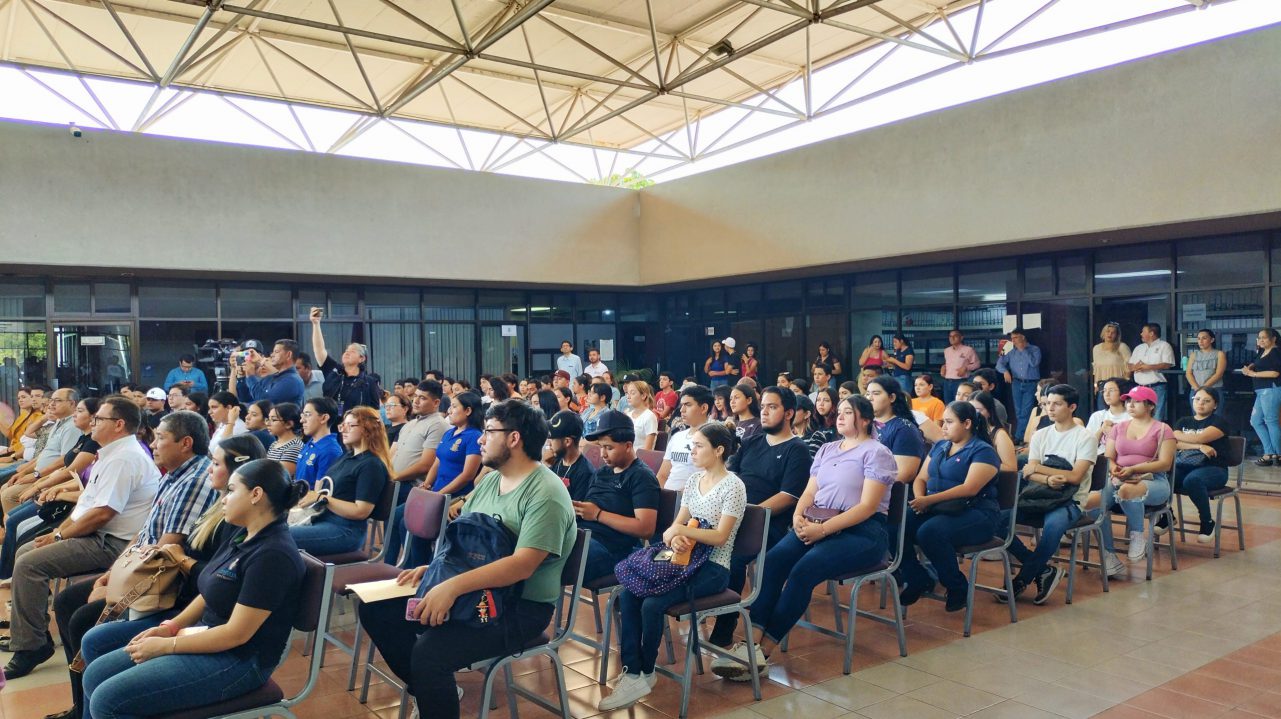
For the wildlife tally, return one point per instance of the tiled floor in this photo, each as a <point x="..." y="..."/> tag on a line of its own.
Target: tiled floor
<point x="1204" y="641"/>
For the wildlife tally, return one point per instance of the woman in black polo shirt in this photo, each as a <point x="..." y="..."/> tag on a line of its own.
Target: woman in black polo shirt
<point x="232" y="636"/>
<point x="359" y="477"/>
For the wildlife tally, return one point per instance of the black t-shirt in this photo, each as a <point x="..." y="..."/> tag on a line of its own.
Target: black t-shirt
<point x="358" y="477"/>
<point x="1270" y="362"/>
<point x="202" y="556"/>
<point x="577" y="477"/>
<point x="393" y="432"/>
<point x="348" y="391"/>
<point x="153" y="418"/>
<point x="84" y="444"/>
<point x="767" y="470"/>
<point x="1220" y="445"/>
<point x="621" y="493"/>
<point x="264" y="572"/>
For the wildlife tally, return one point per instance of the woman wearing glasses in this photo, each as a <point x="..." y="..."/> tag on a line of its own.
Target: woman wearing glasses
<point x="1111" y="358"/>
<point x="285" y="424"/>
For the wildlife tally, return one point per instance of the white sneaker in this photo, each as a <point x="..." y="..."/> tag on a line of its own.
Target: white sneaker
<point x="738" y="671"/>
<point x="629" y="689"/>
<point x="1114" y="567"/>
<point x="1205" y="538"/>
<point x="1138" y="546"/>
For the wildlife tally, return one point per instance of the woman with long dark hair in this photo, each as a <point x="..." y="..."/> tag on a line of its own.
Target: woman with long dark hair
<point x="1002" y="442"/>
<point x="896" y="426"/>
<point x="1265" y="418"/>
<point x="717" y="366"/>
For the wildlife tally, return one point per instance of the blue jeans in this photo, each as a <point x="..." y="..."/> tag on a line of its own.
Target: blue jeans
<point x="1024" y="400"/>
<point x="1196" y="483"/>
<point x="331" y="535"/>
<point x="1265" y="418"/>
<point x="905" y="382"/>
<point x="1158" y="493"/>
<point x="1162" y="390"/>
<point x="793" y="570"/>
<point x="1053" y="527"/>
<point x="642" y="619"/>
<point x="949" y="392"/>
<point x="938" y="536"/>
<point x="601" y="561"/>
<point x="116" y="688"/>
<point x="9" y="550"/>
<point x="110" y="636"/>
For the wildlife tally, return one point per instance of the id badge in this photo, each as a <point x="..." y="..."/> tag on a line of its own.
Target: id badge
<point x="410" y="606"/>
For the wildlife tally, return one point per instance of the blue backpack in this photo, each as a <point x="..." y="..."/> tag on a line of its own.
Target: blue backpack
<point x="471" y="541"/>
<point x="647" y="573"/>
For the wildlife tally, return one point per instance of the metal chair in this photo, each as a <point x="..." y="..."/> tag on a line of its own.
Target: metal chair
<point x="883" y="572"/>
<point x="651" y="457"/>
<point x="571" y="576"/>
<point x="426" y="514"/>
<point x="1086" y="527"/>
<point x="750" y="543"/>
<point x="1151" y="514"/>
<point x="1236" y="459"/>
<point x="269" y="700"/>
<point x="591" y="451"/>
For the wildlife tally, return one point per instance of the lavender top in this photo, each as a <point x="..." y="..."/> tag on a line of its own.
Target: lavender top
<point x="841" y="474"/>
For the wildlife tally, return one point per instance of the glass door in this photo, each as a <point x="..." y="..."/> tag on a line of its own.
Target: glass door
<point x="95" y="359"/>
<point x="1066" y="341"/>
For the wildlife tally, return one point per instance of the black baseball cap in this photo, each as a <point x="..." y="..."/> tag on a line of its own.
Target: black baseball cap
<point x="610" y="420"/>
<point x="566" y="424"/>
<point x="253" y="345"/>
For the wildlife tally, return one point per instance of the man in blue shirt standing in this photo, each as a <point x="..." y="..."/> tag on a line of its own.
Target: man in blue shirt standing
<point x="187" y="375"/>
<point x="282" y="385"/>
<point x="1022" y="369"/>
<point x="568" y="361"/>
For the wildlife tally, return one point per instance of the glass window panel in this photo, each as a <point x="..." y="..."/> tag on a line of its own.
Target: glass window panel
<point x="24" y="354"/>
<point x="1221" y="261"/>
<point x="452" y="350"/>
<point x="744" y="301"/>
<point x="928" y="286"/>
<point x="337" y="336"/>
<point x="875" y="289"/>
<point x="678" y="305"/>
<point x="831" y="327"/>
<point x="1235" y="316"/>
<point x="926" y="328"/>
<point x="499" y="354"/>
<point x="395" y="350"/>
<point x="551" y="306"/>
<point x="1038" y="277"/>
<point x="71" y="297"/>
<point x="783" y="348"/>
<point x="597" y="306"/>
<point x="828" y="292"/>
<point x="637" y="308"/>
<point x="22" y="299"/>
<point x="590" y="336"/>
<point x="162" y="343"/>
<point x="783" y="297"/>
<point x="1137" y="268"/>
<point x="709" y="303"/>
<point x="186" y="300"/>
<point x="549" y="336"/>
<point x="449" y="305"/>
<point x="989" y="281"/>
<point x="342" y="303"/>
<point x="392" y="305"/>
<point x="982" y="325"/>
<point x="111" y="298"/>
<point x="1074" y="275"/>
<point x="309" y="297"/>
<point x="94" y="368"/>
<point x="256" y="302"/>
<point x="502" y="305"/>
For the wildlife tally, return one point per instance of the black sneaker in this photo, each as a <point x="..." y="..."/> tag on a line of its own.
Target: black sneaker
<point x="1046" y="582"/>
<point x="1019" y="587"/>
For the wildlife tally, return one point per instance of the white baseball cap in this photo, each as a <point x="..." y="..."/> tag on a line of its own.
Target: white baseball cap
<point x="156" y="393"/>
<point x="729" y="342"/>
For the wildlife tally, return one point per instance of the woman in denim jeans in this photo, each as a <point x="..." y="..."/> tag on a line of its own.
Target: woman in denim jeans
<point x="1202" y="461"/>
<point x="1265" y="371"/>
<point x="1141" y="454"/>
<point x="851" y="476"/>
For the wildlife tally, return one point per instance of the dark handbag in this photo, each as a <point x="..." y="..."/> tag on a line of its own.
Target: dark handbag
<point x="1191" y="458"/>
<point x="1037" y="499"/>
<point x="950" y="507"/>
<point x="55" y="512"/>
<point x="818" y="515"/>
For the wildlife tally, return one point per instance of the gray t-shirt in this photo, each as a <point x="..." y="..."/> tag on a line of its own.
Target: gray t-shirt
<point x="1203" y="365"/>
<point x="418" y="434"/>
<point x="62" y="438"/>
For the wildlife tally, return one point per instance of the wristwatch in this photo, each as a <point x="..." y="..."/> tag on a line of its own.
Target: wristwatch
<point x="36" y="472"/>
<point x="57" y="536"/>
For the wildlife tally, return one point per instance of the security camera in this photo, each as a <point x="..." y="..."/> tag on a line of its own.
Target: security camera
<point x="75" y="131"/>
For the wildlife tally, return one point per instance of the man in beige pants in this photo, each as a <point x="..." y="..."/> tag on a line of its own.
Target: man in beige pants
<point x="62" y="437"/>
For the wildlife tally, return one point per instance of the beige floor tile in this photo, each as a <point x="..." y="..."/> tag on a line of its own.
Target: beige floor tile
<point x="897" y="677"/>
<point x="850" y="692"/>
<point x="955" y="698"/>
<point x="904" y="708"/>
<point x="1010" y="709"/>
<point x="1067" y="702"/>
<point x="1184" y="659"/>
<point x="1142" y="670"/>
<point x="1037" y="666"/>
<point x="739" y="713"/>
<point x="798" y="704"/>
<point x="1107" y="686"/>
<point x="994" y="680"/>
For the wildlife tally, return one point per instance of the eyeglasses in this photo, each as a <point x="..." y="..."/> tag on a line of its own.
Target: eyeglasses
<point x="59" y="399"/>
<point x="98" y="418"/>
<point x="308" y="414"/>
<point x="274" y="419"/>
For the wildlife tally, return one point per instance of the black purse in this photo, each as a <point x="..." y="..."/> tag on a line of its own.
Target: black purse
<point x="55" y="512"/>
<point x="950" y="507"/>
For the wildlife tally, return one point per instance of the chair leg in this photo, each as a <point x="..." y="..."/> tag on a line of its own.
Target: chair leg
<point x="562" y="694"/>
<point x="892" y="583"/>
<point x="596" y="611"/>
<point x="1236" y="499"/>
<point x="487" y="693"/>
<point x="834" y="594"/>
<point x="1076" y="538"/>
<point x="969" y="594"/>
<point x="751" y="652"/>
<point x="1152" y="545"/>
<point x="355" y="658"/>
<point x="1174" y="551"/>
<point x="687" y="678"/>
<point x="511" y="693"/>
<point x="611" y="606"/>
<point x="850" y="619"/>
<point x="667" y="636"/>
<point x="1009" y="588"/>
<point x="1183" y="532"/>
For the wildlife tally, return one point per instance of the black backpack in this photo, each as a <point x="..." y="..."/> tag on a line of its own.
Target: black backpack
<point x="471" y="541"/>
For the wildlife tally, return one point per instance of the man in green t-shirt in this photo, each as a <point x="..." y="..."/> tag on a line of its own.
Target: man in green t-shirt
<point x="534" y="504"/>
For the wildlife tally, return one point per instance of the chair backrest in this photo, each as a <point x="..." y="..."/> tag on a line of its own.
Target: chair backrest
<point x="592" y="452"/>
<point x="426" y="513"/>
<point x="1236" y="451"/>
<point x="669" y="504"/>
<point x="651" y="457"/>
<point x="660" y="442"/>
<point x="751" y="542"/>
<point x="898" y="521"/>
<point x="386" y="502"/>
<point x="1007" y="489"/>
<point x="1099" y="475"/>
<point x="572" y="576"/>
<point x="313" y="596"/>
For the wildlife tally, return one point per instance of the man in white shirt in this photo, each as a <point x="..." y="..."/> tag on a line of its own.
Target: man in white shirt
<point x="595" y="368"/>
<point x="568" y="361"/>
<point x="110" y="512"/>
<point x="1075" y="445"/>
<point x="695" y="407"/>
<point x="1148" y="360"/>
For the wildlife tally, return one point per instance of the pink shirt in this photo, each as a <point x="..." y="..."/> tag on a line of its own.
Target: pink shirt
<point x="956" y="359"/>
<point x="1130" y="452"/>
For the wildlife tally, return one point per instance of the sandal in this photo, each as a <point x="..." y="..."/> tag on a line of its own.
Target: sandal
<point x="1266" y="460"/>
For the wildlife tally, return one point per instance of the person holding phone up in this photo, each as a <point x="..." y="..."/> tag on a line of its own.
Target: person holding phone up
<point x="348" y="384"/>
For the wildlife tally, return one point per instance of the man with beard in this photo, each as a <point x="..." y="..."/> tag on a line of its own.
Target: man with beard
<point x="534" y="505"/>
<point x="774" y="465"/>
<point x="621" y="507"/>
<point x="567" y="462"/>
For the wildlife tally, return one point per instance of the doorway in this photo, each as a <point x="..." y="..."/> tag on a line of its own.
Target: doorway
<point x="1066" y="341"/>
<point x="94" y="359"/>
<point x="1131" y="313"/>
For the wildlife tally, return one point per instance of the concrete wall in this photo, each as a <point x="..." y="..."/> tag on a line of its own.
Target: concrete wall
<point x="131" y="201"/>
<point x="1176" y="138"/>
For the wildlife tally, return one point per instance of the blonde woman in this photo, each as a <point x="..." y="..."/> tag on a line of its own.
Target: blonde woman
<point x="640" y="407"/>
<point x="1111" y="358"/>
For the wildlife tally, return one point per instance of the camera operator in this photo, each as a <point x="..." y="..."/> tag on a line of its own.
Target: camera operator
<point x="273" y="378"/>
<point x="349" y="385"/>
